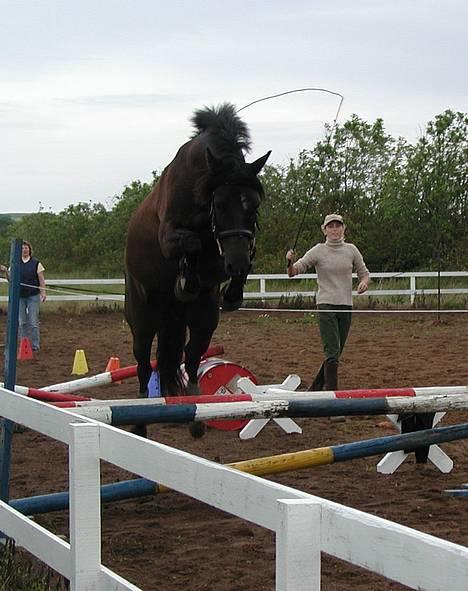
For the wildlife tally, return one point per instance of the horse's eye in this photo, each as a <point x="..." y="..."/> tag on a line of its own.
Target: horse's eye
<point x="220" y="200"/>
<point x="249" y="204"/>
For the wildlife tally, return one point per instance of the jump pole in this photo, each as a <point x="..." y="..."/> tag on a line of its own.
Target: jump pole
<point x="56" y="393"/>
<point x="46" y="396"/>
<point x="159" y="401"/>
<point x="278" y="410"/>
<point x="116" y="375"/>
<point x="287" y="424"/>
<point x="272" y="394"/>
<point x="129" y="489"/>
<point x="391" y="461"/>
<point x="277" y="464"/>
<point x="119" y="415"/>
<point x="250" y="388"/>
<point x="72" y="386"/>
<point x="456" y="492"/>
<point x="66" y="400"/>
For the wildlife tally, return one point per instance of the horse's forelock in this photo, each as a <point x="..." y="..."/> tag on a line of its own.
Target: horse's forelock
<point x="234" y="173"/>
<point x="223" y="125"/>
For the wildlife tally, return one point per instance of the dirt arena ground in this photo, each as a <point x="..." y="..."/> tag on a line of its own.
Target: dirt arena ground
<point x="173" y="543"/>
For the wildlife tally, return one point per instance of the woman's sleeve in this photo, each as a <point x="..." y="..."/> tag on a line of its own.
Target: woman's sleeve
<point x="359" y="264"/>
<point x="308" y="260"/>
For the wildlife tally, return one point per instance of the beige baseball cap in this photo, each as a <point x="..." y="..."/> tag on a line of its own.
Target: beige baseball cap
<point x="332" y="217"/>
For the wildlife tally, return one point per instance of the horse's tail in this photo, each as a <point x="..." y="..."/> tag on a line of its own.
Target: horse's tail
<point x="223" y="120"/>
<point x="171" y="342"/>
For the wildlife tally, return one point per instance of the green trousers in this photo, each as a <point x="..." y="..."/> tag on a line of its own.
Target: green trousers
<point x="334" y="328"/>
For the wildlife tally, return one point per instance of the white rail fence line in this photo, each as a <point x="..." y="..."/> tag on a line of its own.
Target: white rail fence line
<point x="263" y="293"/>
<point x="305" y="525"/>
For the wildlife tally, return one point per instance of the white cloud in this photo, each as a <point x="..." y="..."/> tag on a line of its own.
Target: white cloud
<point x="97" y="94"/>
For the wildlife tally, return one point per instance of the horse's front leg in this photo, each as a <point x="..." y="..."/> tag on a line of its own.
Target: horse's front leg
<point x="187" y="284"/>
<point x="202" y="326"/>
<point x="202" y="319"/>
<point x="233" y="294"/>
<point x="193" y="353"/>
<point x="142" y="352"/>
<point x="186" y="246"/>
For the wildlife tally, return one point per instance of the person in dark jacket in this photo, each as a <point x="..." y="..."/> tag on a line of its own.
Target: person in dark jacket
<point x="32" y="293"/>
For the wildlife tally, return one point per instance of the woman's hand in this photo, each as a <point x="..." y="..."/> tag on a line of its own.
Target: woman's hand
<point x="362" y="287"/>
<point x="290" y="256"/>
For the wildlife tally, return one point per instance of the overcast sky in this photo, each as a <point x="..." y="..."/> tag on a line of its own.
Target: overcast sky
<point x="95" y="94"/>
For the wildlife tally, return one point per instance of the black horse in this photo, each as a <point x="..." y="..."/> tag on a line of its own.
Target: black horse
<point x="194" y="232"/>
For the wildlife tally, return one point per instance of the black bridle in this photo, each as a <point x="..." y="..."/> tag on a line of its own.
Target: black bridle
<point x="233" y="232"/>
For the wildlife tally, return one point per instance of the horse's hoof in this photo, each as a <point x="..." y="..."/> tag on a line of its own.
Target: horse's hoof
<point x="192" y="389"/>
<point x="140" y="430"/>
<point x="186" y="291"/>
<point x="197" y="429"/>
<point x="232" y="296"/>
<point x="231" y="306"/>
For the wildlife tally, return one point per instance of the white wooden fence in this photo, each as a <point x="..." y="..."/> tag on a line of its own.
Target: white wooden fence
<point x="375" y="290"/>
<point x="305" y="525"/>
<point x="262" y="292"/>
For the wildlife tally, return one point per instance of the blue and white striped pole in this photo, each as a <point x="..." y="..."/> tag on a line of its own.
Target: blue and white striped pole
<point x="138" y="414"/>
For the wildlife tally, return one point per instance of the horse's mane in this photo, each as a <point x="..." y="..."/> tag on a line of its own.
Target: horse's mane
<point x="227" y="131"/>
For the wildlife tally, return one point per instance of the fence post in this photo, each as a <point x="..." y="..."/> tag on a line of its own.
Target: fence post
<point x="6" y="426"/>
<point x="85" y="507"/>
<point x="298" y="545"/>
<point x="412" y="288"/>
<point x="262" y="286"/>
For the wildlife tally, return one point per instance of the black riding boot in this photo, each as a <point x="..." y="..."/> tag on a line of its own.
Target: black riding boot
<point x="319" y="380"/>
<point x="331" y="375"/>
<point x="331" y="383"/>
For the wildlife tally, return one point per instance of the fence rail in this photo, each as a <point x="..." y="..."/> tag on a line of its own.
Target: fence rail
<point x="291" y="290"/>
<point x="305" y="525"/>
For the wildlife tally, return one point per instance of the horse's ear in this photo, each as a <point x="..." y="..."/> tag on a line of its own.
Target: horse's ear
<point x="211" y="160"/>
<point x="257" y="166"/>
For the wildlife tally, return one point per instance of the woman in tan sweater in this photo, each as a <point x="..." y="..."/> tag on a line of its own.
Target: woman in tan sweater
<point x="334" y="261"/>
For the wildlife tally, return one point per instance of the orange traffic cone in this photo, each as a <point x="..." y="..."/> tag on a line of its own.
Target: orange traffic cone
<point x="112" y="364"/>
<point x="25" y="350"/>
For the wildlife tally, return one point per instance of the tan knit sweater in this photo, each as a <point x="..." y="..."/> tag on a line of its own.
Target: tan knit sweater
<point x="334" y="263"/>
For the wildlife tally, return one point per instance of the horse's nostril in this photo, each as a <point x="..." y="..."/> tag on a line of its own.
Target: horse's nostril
<point x="233" y="272"/>
<point x="237" y="274"/>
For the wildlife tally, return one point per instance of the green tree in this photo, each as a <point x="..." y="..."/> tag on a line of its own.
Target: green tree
<point x="427" y="198"/>
<point x="113" y="232"/>
<point x="344" y="174"/>
<point x="405" y="205"/>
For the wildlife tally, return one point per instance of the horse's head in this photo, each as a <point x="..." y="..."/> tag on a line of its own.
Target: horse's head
<point x="234" y="211"/>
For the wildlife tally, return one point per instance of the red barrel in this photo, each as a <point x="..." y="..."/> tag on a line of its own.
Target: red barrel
<point x="219" y="377"/>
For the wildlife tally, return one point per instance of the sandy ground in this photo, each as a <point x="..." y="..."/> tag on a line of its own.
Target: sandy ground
<point x="172" y="542"/>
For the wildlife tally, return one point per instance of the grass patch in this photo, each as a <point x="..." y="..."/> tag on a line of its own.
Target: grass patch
<point x="20" y="572"/>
